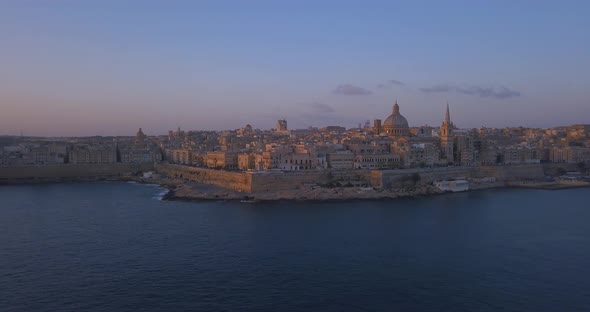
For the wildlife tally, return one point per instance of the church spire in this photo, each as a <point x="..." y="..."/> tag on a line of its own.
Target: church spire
<point x="448" y="115"/>
<point x="395" y="108"/>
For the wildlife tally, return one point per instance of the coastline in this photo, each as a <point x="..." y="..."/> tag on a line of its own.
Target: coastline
<point x="192" y="191"/>
<point x="183" y="190"/>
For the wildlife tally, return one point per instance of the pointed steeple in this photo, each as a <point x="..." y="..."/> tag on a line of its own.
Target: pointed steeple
<point x="395" y="108"/>
<point x="448" y="115"/>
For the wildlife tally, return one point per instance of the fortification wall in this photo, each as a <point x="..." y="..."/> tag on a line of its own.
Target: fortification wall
<point x="390" y="178"/>
<point x="276" y="181"/>
<point x="508" y="173"/>
<point x="239" y="181"/>
<point x="291" y="180"/>
<point x="262" y="181"/>
<point x="555" y="168"/>
<point x="70" y="171"/>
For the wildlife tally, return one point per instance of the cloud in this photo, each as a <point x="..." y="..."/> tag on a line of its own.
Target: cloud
<point x="484" y="92"/>
<point x="321" y="108"/>
<point x="497" y="93"/>
<point x="438" y="88"/>
<point x="347" y="89"/>
<point x="389" y="83"/>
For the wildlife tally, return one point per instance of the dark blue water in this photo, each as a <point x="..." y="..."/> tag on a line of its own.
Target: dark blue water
<point x="113" y="247"/>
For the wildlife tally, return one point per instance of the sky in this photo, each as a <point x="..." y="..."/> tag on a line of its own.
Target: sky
<point x="76" y="68"/>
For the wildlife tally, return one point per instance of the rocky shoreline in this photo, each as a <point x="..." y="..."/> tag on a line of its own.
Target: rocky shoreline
<point x="179" y="189"/>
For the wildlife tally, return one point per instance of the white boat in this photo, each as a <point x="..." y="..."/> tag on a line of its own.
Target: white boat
<point x="453" y="185"/>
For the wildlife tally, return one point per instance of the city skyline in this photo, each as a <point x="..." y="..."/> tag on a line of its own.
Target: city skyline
<point x="108" y="68"/>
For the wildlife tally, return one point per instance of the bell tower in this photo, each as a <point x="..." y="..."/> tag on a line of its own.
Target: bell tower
<point x="447" y="137"/>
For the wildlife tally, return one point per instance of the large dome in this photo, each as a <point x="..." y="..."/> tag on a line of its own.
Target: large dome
<point x="396" y="125"/>
<point x="396" y="120"/>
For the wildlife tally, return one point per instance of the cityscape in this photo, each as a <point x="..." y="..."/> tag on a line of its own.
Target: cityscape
<point x="387" y="144"/>
<point x="219" y="155"/>
<point x="383" y="159"/>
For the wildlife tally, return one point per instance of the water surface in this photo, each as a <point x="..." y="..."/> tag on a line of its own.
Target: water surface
<point x="116" y="247"/>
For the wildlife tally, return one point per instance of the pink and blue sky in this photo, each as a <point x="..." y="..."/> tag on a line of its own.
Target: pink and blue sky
<point x="109" y="67"/>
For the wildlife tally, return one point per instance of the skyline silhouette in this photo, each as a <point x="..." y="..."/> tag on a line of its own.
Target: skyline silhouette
<point x="108" y="68"/>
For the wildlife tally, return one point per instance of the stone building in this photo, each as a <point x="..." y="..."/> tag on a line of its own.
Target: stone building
<point x="87" y="154"/>
<point x="179" y="156"/>
<point x="282" y="126"/>
<point x="377" y="161"/>
<point x="570" y="154"/>
<point x="396" y="125"/>
<point x="340" y="160"/>
<point x="246" y="161"/>
<point x="419" y="154"/>
<point x="131" y="155"/>
<point x="140" y="138"/>
<point x="446" y="137"/>
<point x="222" y="160"/>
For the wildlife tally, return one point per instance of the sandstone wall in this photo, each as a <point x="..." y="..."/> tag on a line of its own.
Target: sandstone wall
<point x="238" y="181"/>
<point x="70" y="171"/>
<point x="262" y="181"/>
<point x="508" y="173"/>
<point x="276" y="181"/>
<point x="391" y="178"/>
<point x="290" y="180"/>
<point x="554" y="168"/>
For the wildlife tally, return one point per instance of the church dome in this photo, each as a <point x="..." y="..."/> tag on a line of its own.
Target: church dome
<point x="396" y="120"/>
<point x="396" y="125"/>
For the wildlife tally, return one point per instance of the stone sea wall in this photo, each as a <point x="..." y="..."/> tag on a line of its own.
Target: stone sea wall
<point x="509" y="173"/>
<point x="238" y="181"/>
<point x="69" y="171"/>
<point x="277" y="181"/>
<point x="262" y="182"/>
<point x="392" y="178"/>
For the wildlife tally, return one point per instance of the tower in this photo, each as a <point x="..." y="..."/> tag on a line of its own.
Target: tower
<point x="446" y="137"/>
<point x="377" y="126"/>
<point x="139" y="137"/>
<point x="282" y="126"/>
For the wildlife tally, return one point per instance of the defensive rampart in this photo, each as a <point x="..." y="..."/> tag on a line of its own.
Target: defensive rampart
<point x="289" y="180"/>
<point x="275" y="181"/>
<point x="505" y="173"/>
<point x="239" y="181"/>
<point x="391" y="178"/>
<point x="69" y="171"/>
<point x="263" y="181"/>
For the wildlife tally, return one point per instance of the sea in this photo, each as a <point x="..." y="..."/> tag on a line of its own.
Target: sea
<point x="115" y="246"/>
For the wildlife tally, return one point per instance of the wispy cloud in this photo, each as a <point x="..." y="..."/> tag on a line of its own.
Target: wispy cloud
<point x="389" y="83"/>
<point x="484" y="92"/>
<point x="437" y="88"/>
<point x="347" y="89"/>
<point x="498" y="93"/>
